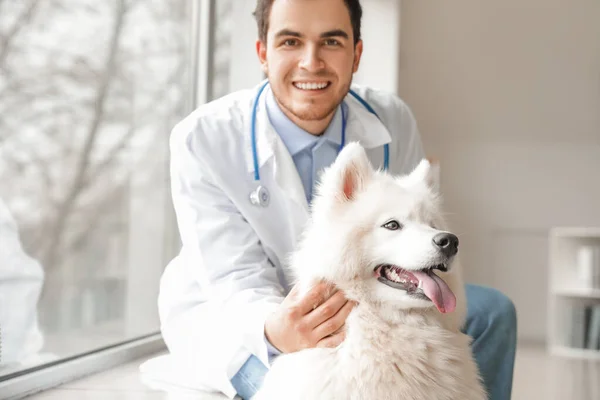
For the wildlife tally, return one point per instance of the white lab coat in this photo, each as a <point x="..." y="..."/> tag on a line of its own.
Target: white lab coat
<point x="229" y="275"/>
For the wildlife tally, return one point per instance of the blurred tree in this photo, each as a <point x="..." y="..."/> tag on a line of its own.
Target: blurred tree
<point x="86" y="87"/>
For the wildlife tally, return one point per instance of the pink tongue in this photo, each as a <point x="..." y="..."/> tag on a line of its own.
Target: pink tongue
<point x="437" y="290"/>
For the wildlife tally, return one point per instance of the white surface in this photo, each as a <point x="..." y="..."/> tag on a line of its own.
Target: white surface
<point x="48" y="377"/>
<point x="578" y="292"/>
<point x="119" y="383"/>
<point x="576" y="231"/>
<point x="563" y="260"/>
<point x="584" y="354"/>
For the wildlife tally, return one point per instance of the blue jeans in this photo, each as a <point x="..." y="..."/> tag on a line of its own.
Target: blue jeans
<point x="491" y="322"/>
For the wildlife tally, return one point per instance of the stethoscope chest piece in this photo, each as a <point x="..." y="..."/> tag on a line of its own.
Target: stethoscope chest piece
<point x="260" y="197"/>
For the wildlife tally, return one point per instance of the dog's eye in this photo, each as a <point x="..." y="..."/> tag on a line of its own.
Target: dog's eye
<point x="392" y="225"/>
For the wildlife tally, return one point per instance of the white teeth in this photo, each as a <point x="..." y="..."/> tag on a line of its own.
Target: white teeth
<point x="420" y="284"/>
<point x="311" y="86"/>
<point x="393" y="275"/>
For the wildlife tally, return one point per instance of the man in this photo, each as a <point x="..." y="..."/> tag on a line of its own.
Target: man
<point x="243" y="172"/>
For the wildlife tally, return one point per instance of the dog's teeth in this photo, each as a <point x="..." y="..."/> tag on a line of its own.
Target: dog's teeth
<point x="420" y="284"/>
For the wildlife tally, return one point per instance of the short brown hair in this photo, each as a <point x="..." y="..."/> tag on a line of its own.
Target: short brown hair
<point x="263" y="12"/>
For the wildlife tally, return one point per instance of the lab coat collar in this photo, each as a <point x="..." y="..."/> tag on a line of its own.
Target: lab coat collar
<point x="362" y="126"/>
<point x="266" y="136"/>
<point x="365" y="127"/>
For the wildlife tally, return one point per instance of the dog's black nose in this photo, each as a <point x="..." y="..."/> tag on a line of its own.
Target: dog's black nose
<point x="447" y="243"/>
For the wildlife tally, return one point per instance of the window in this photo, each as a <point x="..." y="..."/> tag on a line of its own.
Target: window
<point x="89" y="92"/>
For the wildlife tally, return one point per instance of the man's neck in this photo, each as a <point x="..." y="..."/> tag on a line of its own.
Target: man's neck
<point x="314" y="127"/>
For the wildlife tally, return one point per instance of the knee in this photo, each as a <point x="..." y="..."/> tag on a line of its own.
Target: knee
<point x="504" y="312"/>
<point x="495" y="307"/>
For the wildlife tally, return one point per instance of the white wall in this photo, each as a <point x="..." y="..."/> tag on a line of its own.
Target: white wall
<point x="507" y="95"/>
<point x="381" y="38"/>
<point x="245" y="71"/>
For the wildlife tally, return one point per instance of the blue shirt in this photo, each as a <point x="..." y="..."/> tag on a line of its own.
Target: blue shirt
<point x="311" y="153"/>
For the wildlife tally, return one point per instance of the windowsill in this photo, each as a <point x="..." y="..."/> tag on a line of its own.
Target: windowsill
<point x="121" y="382"/>
<point x="68" y="370"/>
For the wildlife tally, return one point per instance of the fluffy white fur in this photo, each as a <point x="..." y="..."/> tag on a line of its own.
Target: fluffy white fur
<point x="397" y="346"/>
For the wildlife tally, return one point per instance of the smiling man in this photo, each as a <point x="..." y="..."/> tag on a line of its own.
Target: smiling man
<point x="243" y="171"/>
<point x="309" y="53"/>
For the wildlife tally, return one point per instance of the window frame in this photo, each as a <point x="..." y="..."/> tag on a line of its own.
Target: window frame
<point x="46" y="376"/>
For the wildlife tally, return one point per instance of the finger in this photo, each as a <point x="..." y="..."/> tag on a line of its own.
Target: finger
<point x="334" y="323"/>
<point x="314" y="297"/>
<point x="292" y="294"/>
<point x="326" y="310"/>
<point x="333" y="340"/>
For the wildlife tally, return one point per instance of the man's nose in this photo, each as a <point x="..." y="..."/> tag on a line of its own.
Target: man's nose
<point x="447" y="243"/>
<point x="311" y="59"/>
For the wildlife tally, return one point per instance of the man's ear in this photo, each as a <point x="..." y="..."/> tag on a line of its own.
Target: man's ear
<point x="358" y="50"/>
<point x="351" y="172"/>
<point x="261" y="52"/>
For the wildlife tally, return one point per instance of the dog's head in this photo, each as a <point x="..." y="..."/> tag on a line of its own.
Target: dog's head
<point x="378" y="237"/>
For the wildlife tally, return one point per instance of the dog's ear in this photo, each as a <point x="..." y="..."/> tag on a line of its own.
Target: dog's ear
<point x="352" y="171"/>
<point x="427" y="172"/>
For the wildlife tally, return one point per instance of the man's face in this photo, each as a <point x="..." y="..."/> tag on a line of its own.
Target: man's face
<point x="309" y="57"/>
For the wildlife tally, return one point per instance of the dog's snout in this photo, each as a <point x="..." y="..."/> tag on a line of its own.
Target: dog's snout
<point x="447" y="243"/>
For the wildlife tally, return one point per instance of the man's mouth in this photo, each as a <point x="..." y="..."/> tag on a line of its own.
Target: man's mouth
<point x="423" y="283"/>
<point x="312" y="86"/>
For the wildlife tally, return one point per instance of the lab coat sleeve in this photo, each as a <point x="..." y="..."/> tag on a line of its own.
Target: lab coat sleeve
<point x="213" y="329"/>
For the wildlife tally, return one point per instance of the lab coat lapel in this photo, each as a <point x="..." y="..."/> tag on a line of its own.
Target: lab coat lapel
<point x="289" y="181"/>
<point x="274" y="159"/>
<point x="364" y="127"/>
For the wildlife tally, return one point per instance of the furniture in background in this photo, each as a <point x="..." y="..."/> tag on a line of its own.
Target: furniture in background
<point x="574" y="292"/>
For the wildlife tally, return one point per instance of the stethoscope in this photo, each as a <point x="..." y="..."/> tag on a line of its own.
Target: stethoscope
<point x="260" y="196"/>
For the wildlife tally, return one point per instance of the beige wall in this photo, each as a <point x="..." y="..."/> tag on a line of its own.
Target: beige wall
<point x="507" y="95"/>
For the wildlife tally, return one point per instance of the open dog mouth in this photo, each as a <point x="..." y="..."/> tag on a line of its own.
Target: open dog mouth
<point x="424" y="284"/>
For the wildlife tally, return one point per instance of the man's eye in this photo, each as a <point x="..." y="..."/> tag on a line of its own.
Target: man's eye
<point x="290" y="42"/>
<point x="392" y="225"/>
<point x="332" y="42"/>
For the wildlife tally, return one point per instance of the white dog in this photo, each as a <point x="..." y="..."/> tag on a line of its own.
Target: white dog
<point x="381" y="239"/>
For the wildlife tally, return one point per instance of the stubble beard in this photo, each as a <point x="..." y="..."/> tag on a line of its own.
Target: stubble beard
<point x="317" y="113"/>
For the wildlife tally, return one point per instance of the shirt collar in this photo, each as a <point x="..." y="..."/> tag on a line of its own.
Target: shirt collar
<point x="295" y="138"/>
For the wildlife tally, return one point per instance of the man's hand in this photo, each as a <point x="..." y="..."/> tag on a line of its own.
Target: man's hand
<point x="316" y="320"/>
